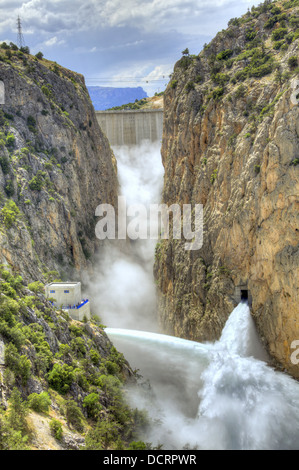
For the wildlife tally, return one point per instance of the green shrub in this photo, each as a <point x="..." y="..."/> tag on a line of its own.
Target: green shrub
<point x="217" y="93"/>
<point x="9" y="188"/>
<point x="224" y="55"/>
<point x="278" y="44"/>
<point x="31" y="121"/>
<point x="5" y="165"/>
<point x="56" y="429"/>
<point x="74" y="415"/>
<point x="95" y="357"/>
<point x="8" y="290"/>
<point x="10" y="140"/>
<point x="36" y="287"/>
<point x="271" y="22"/>
<point x="189" y="86"/>
<point x="241" y="91"/>
<point x="61" y="377"/>
<point x="293" y="61"/>
<point x="46" y="91"/>
<point x="296" y="35"/>
<point x="9" y="308"/>
<point x="25" y="50"/>
<point x="184" y="62"/>
<point x="137" y="445"/>
<point x="9" y="116"/>
<point x="257" y="169"/>
<point x="17" y="411"/>
<point x="214" y="176"/>
<point x="48" y="166"/>
<point x="39" y="402"/>
<point x="294" y="21"/>
<point x="234" y="22"/>
<point x="92" y="404"/>
<point x="37" y="182"/>
<point x="102" y="436"/>
<point x="20" y="365"/>
<point x="78" y="346"/>
<point x="241" y="75"/>
<point x="262" y="70"/>
<point x="279" y="33"/>
<point x="112" y="368"/>
<point x="10" y="213"/>
<point x="250" y="35"/>
<point x="221" y="78"/>
<point x="39" y="55"/>
<point x="289" y="38"/>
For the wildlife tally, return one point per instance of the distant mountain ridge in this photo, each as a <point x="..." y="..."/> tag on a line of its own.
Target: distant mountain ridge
<point x="108" y="97"/>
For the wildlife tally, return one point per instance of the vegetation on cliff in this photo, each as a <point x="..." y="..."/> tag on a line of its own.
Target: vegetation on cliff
<point x="65" y="370"/>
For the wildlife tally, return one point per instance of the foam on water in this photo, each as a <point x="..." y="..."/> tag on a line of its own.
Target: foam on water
<point x="242" y="403"/>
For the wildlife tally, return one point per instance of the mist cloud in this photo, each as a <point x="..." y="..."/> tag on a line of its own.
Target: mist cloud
<point x="123" y="288"/>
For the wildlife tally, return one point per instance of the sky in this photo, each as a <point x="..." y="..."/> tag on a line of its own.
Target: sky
<point x="118" y="43"/>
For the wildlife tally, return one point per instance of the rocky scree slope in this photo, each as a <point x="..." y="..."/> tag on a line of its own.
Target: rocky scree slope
<point x="230" y="142"/>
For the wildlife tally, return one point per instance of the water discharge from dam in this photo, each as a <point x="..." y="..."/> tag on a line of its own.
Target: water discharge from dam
<point x="123" y="264"/>
<point x="214" y="396"/>
<point x="198" y="396"/>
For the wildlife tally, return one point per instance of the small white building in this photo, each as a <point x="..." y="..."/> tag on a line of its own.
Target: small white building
<point x="67" y="295"/>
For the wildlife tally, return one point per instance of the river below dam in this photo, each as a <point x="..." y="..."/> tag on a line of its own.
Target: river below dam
<point x="220" y="396"/>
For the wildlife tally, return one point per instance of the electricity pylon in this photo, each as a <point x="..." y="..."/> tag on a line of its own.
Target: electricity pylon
<point x="20" y="40"/>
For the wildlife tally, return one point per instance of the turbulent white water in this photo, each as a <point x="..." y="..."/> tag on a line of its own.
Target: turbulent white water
<point x="215" y="396"/>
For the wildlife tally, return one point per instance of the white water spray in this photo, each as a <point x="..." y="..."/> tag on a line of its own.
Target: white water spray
<point x="242" y="403"/>
<point x="124" y="291"/>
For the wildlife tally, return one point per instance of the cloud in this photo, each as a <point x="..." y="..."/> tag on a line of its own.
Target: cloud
<point x="54" y="41"/>
<point x="108" y="38"/>
<point x="148" y="15"/>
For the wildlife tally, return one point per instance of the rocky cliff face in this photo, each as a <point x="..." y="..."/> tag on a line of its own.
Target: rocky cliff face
<point x="230" y="143"/>
<point x="56" y="168"/>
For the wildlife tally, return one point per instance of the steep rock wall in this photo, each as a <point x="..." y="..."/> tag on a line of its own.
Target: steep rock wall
<point x="230" y="142"/>
<point x="56" y="166"/>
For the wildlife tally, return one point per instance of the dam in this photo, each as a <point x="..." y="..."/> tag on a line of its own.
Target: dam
<point x="131" y="127"/>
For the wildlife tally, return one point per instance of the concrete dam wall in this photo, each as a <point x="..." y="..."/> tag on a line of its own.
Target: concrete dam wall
<point x="131" y="127"/>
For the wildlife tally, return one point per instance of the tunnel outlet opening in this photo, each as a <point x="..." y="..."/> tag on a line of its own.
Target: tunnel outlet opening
<point x="244" y="295"/>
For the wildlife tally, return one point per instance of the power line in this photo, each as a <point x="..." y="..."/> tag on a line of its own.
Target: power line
<point x="127" y="79"/>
